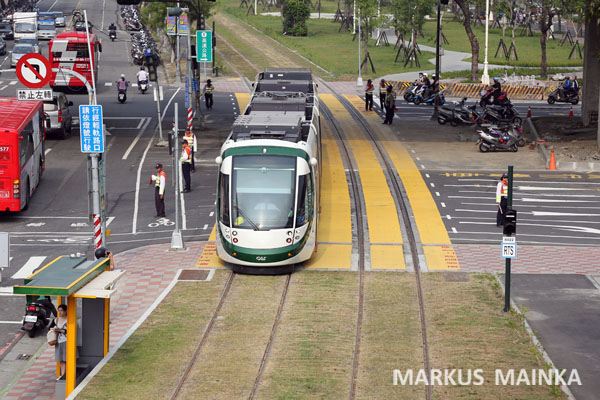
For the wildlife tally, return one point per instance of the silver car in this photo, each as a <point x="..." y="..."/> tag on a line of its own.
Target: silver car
<point x="47" y="32"/>
<point x="19" y="51"/>
<point x="33" y="42"/>
<point x="59" y="113"/>
<point x="59" y="19"/>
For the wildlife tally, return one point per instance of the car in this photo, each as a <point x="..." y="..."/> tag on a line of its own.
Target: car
<point x="59" y="114"/>
<point x="6" y="31"/>
<point x="19" y="51"/>
<point x="2" y="46"/>
<point x="33" y="42"/>
<point x="47" y="32"/>
<point x="59" y="19"/>
<point x="80" y="26"/>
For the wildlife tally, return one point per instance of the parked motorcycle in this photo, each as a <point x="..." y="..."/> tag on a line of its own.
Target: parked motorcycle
<point x="570" y="97"/>
<point x="496" y="140"/>
<point x="419" y="99"/>
<point x="460" y="114"/>
<point x="499" y="115"/>
<point x="38" y="316"/>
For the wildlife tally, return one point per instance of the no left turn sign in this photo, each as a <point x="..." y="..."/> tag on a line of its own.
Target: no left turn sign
<point x="33" y="70"/>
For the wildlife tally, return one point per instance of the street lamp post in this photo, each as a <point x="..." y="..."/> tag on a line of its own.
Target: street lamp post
<point x="485" y="78"/>
<point x="359" y="81"/>
<point x="437" y="60"/>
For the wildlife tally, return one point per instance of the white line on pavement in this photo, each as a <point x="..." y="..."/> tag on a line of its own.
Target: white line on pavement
<point x="52" y="6"/>
<point x="107" y="83"/>
<point x="11" y="322"/>
<point x="146" y="121"/>
<point x="48" y="150"/>
<point x="12" y="83"/>
<point x="3" y="87"/>
<point x="29" y="267"/>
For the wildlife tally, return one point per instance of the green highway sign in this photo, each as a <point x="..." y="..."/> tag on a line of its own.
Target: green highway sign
<point x="204" y="46"/>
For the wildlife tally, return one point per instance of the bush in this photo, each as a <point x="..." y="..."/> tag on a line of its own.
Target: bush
<point x="295" y="14"/>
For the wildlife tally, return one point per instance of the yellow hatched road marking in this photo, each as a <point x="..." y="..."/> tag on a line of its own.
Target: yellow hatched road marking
<point x="380" y="207"/>
<point x="209" y="258"/>
<point x="427" y="217"/>
<point x="242" y="99"/>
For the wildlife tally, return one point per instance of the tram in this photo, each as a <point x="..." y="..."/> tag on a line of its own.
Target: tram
<point x="268" y="189"/>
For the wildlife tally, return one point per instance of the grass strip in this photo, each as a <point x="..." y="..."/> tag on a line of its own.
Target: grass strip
<point x="229" y="362"/>
<point x="391" y="336"/>
<point x="150" y="363"/>
<point x="312" y="353"/>
<point x="467" y="330"/>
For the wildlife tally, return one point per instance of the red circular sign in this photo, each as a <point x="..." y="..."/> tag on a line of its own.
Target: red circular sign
<point x="33" y="70"/>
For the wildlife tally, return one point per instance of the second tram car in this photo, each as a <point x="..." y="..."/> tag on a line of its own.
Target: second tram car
<point x="269" y="177"/>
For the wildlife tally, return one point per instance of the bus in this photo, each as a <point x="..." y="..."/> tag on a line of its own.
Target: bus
<point x="22" y="159"/>
<point x="69" y="50"/>
<point x="46" y="18"/>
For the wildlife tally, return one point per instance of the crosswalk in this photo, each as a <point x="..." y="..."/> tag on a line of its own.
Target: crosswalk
<point x="28" y="268"/>
<point x="10" y="84"/>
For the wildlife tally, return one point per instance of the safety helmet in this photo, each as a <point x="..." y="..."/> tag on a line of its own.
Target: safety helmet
<point x="100" y="253"/>
<point x="424" y="73"/>
<point x="142" y="68"/>
<point x="496" y="79"/>
<point x="208" y="81"/>
<point x="433" y="75"/>
<point x="504" y="176"/>
<point x="369" y="81"/>
<point x="122" y="75"/>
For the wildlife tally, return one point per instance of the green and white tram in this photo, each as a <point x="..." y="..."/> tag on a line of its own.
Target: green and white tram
<point x="268" y="185"/>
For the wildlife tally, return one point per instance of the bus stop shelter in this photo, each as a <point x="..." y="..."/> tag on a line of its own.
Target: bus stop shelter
<point x="73" y="278"/>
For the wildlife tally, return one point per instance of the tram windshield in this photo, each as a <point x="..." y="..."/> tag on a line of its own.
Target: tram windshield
<point x="263" y="192"/>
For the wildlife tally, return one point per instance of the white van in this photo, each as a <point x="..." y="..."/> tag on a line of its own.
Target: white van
<point x="25" y="24"/>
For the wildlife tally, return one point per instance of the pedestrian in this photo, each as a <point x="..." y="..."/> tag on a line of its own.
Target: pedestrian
<point x="369" y="96"/>
<point x="390" y="105"/>
<point x="101" y="252"/>
<point x="190" y="138"/>
<point x="59" y="325"/>
<point x="160" y="183"/>
<point x="186" y="165"/>
<point x="208" y="94"/>
<point x="501" y="199"/>
<point x="382" y="91"/>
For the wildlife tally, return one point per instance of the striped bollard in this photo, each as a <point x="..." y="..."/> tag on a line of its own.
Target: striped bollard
<point x="97" y="231"/>
<point x="190" y="118"/>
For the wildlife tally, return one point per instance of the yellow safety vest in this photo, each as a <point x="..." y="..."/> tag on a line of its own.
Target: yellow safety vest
<point x="190" y="140"/>
<point x="370" y="89"/>
<point x="208" y="89"/>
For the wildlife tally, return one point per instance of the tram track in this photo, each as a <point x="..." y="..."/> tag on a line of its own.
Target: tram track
<point x="397" y="188"/>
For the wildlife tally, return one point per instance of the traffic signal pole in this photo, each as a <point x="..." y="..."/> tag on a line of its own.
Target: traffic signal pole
<point x="507" y="267"/>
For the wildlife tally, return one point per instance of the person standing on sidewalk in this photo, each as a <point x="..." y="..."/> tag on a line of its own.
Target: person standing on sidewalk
<point x="501" y="199"/>
<point x="383" y="85"/>
<point x="390" y="105"/>
<point x="369" y="95"/>
<point x="186" y="165"/>
<point x="160" y="183"/>
<point x="59" y="325"/>
<point x="208" y="94"/>
<point x="190" y="138"/>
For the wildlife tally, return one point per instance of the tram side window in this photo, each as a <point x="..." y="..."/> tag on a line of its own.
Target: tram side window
<point x="224" y="199"/>
<point x="303" y="204"/>
<point x="26" y="143"/>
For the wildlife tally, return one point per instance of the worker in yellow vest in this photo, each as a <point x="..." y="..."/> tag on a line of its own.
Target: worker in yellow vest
<point x="190" y="138"/>
<point x="186" y="165"/>
<point x="160" y="183"/>
<point x="369" y="95"/>
<point x="208" y="94"/>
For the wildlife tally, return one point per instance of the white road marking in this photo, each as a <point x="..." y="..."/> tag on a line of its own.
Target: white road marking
<point x="443" y="204"/>
<point x="417" y="158"/>
<point x="103" y="9"/>
<point x="426" y="175"/>
<point x="28" y="268"/>
<point x="108" y="83"/>
<point x="437" y="194"/>
<point x="12" y="83"/>
<point x="205" y="226"/>
<point x="11" y="322"/>
<point x="431" y="184"/>
<point x="211" y="214"/>
<point x="109" y="220"/>
<point x="454" y="230"/>
<point x="557" y="214"/>
<point x="48" y="150"/>
<point x="529" y="182"/>
<point x="79" y="225"/>
<point x="132" y="145"/>
<point x="3" y="87"/>
<point x="52" y="6"/>
<point x="448" y="216"/>
<point x="36" y="224"/>
<point x="422" y="166"/>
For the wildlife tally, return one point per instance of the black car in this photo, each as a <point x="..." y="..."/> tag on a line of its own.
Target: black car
<point x="6" y="31"/>
<point x="80" y="26"/>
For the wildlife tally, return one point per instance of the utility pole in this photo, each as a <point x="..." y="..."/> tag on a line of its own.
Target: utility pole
<point x="177" y="71"/>
<point x="436" y="101"/>
<point x="359" y="81"/>
<point x="189" y="71"/>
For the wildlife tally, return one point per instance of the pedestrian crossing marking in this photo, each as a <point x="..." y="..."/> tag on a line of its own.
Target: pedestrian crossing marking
<point x="27" y="269"/>
<point x="12" y="83"/>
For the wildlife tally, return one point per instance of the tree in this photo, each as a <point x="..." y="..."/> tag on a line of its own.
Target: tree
<point x="464" y="7"/>
<point x="548" y="12"/>
<point x="367" y="9"/>
<point x="295" y="13"/>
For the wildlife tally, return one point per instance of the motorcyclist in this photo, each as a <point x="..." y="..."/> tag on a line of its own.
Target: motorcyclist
<point x="496" y="88"/>
<point x="427" y="86"/>
<point x="122" y="84"/>
<point x="435" y="86"/>
<point x="566" y="88"/>
<point x="142" y="76"/>
<point x="112" y="27"/>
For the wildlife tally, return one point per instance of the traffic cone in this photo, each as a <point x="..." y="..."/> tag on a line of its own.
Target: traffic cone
<point x="571" y="112"/>
<point x="552" y="165"/>
<point x="529" y="112"/>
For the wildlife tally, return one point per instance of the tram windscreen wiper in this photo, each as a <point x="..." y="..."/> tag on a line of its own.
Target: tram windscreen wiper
<point x="254" y="226"/>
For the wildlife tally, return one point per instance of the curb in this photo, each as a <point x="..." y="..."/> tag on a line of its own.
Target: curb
<point x="542" y="149"/>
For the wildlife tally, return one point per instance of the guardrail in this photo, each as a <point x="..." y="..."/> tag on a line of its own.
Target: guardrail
<point x="516" y="92"/>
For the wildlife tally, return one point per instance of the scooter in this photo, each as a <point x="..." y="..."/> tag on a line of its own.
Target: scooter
<point x="429" y="100"/>
<point x="496" y="140"/>
<point x="38" y="316"/>
<point x="499" y="115"/>
<point x="143" y="86"/>
<point x="112" y="35"/>
<point x="461" y="114"/>
<point x="570" y="97"/>
<point x="122" y="96"/>
<point x="409" y="93"/>
<point x="487" y="98"/>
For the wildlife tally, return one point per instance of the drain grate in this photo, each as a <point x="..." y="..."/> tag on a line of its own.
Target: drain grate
<point x="193" y="275"/>
<point x="23" y="357"/>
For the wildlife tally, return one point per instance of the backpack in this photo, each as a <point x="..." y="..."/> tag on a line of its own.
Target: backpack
<point x="575" y="85"/>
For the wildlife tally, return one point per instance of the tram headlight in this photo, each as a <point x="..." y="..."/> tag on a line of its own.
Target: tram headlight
<point x="235" y="240"/>
<point x="289" y="233"/>
<point x="234" y="233"/>
<point x="288" y="240"/>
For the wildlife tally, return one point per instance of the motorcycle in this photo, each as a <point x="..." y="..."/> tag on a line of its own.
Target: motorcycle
<point x="122" y="96"/>
<point x="112" y="35"/>
<point x="143" y="86"/>
<point x="496" y="140"/>
<point x="570" y="97"/>
<point x="409" y="93"/>
<point x="487" y="98"/>
<point x="429" y="100"/>
<point x="461" y="114"/>
<point x="499" y="115"/>
<point x="38" y="316"/>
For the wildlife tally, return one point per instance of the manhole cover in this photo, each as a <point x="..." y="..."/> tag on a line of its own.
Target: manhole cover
<point x="23" y="356"/>
<point x="193" y="275"/>
<point x="456" y="277"/>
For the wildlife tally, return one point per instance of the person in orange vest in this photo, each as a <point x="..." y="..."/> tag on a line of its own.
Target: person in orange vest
<point x="501" y="199"/>
<point x="190" y="138"/>
<point x="160" y="183"/>
<point x="369" y="95"/>
<point x="186" y="165"/>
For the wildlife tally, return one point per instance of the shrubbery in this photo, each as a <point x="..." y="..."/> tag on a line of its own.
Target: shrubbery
<point x="295" y="14"/>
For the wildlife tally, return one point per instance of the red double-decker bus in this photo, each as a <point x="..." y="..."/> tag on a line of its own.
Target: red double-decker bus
<point x="69" y="50"/>
<point x="22" y="159"/>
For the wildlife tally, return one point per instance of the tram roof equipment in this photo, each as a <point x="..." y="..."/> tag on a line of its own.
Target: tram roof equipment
<point x="288" y="126"/>
<point x="286" y="74"/>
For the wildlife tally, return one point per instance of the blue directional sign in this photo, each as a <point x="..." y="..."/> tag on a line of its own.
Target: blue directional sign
<point x="195" y="84"/>
<point x="204" y="46"/>
<point x="187" y="94"/>
<point x="92" y="133"/>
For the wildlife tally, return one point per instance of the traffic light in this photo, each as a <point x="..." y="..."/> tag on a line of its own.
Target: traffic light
<point x="202" y="23"/>
<point x="445" y="2"/>
<point x="152" y="63"/>
<point x="174" y="11"/>
<point x="129" y="2"/>
<point x="510" y="222"/>
<point x="194" y="59"/>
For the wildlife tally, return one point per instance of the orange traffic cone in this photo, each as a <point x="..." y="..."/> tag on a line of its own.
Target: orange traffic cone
<point x="552" y="164"/>
<point x="571" y="112"/>
<point x="529" y="112"/>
